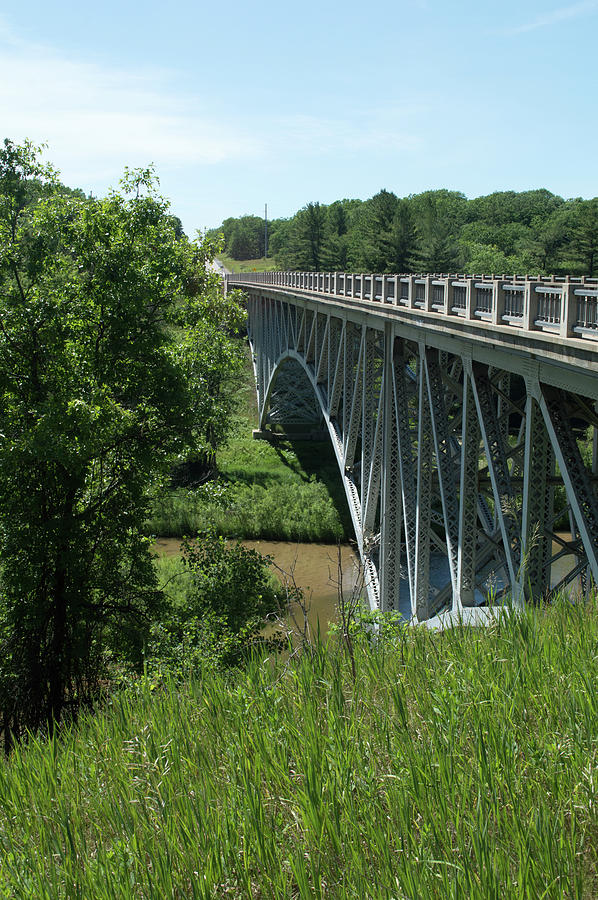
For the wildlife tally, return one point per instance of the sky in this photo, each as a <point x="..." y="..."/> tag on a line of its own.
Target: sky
<point x="242" y="104"/>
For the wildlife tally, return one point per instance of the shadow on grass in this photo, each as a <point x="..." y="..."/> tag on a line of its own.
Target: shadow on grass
<point x="316" y="458"/>
<point x="302" y="461"/>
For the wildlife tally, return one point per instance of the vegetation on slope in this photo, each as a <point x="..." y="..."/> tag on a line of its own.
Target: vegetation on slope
<point x="455" y="764"/>
<point x="261" y="264"/>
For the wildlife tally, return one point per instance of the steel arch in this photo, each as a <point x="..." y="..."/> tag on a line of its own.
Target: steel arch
<point x="446" y="445"/>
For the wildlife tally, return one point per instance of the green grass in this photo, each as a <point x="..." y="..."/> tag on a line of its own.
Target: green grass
<point x="281" y="492"/>
<point x="455" y="765"/>
<point x="248" y="265"/>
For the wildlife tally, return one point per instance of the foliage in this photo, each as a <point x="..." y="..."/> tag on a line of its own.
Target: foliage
<point x="477" y="259"/>
<point x="437" y="216"/>
<point x="384" y="236"/>
<point x="211" y="354"/>
<point x="98" y="394"/>
<point x="220" y="598"/>
<point x="457" y="764"/>
<point x="244" y="238"/>
<point x="584" y="238"/>
<point x="306" y="238"/>
<point x="439" y="231"/>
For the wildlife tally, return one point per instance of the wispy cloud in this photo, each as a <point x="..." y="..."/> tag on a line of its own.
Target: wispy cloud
<point x="555" y="16"/>
<point x="315" y="135"/>
<point x="96" y="119"/>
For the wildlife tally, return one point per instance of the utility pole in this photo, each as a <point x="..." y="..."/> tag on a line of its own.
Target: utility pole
<point x="266" y="230"/>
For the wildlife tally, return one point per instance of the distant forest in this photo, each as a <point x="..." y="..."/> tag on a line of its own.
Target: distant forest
<point x="437" y="231"/>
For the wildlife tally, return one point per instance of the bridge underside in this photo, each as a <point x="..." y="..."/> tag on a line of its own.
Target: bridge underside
<point x="468" y="478"/>
<point x="292" y="404"/>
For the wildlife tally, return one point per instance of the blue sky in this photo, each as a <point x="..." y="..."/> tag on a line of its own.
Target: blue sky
<point x="249" y="103"/>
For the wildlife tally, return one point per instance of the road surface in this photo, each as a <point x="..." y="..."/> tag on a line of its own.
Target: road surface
<point x="218" y="267"/>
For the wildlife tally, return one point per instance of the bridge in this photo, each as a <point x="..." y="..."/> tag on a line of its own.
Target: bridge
<point x="463" y="415"/>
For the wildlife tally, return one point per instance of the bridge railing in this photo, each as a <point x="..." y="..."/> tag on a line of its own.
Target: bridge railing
<point x="562" y="305"/>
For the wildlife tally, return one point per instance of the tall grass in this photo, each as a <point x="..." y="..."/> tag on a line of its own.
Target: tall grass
<point x="277" y="511"/>
<point x="460" y="764"/>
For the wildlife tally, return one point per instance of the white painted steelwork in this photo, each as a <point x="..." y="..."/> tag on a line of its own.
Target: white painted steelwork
<point x="456" y="405"/>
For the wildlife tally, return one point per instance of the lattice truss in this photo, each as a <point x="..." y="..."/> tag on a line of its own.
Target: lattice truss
<point x="451" y="467"/>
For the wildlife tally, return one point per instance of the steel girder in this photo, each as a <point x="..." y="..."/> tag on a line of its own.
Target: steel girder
<point x="449" y="463"/>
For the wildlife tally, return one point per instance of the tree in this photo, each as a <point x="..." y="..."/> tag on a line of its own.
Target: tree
<point x="97" y="396"/>
<point x="477" y="259"/>
<point x="212" y="356"/>
<point x="246" y="238"/>
<point x="548" y="239"/>
<point x="222" y="600"/>
<point x="383" y="240"/>
<point x="585" y="236"/>
<point x="438" y="216"/>
<point x="306" y="237"/>
<point x="336" y="245"/>
<point x="503" y="207"/>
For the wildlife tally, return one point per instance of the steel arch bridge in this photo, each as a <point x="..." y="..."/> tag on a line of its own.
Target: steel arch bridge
<point x="459" y="409"/>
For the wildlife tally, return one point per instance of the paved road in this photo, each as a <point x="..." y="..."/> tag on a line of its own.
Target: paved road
<point x="218" y="267"/>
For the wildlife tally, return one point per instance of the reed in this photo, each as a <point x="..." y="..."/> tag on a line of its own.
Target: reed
<point x="455" y="764"/>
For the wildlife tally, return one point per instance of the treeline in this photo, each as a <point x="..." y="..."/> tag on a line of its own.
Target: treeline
<point x="437" y="231"/>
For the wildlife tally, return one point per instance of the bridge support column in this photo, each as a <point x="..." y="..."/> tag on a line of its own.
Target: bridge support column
<point x="390" y="502"/>
<point x="444" y="460"/>
<point x="420" y="602"/>
<point x="468" y="505"/>
<point x="537" y="504"/>
<point x="406" y="463"/>
<point x="500" y="477"/>
<point x="580" y="493"/>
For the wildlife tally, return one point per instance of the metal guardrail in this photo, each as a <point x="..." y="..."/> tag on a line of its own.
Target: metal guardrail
<point x="563" y="306"/>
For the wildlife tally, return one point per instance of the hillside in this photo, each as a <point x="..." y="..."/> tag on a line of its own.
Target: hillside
<point x="460" y="764"/>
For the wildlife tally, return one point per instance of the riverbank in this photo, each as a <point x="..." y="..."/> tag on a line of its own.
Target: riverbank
<point x="289" y="492"/>
<point x="432" y="765"/>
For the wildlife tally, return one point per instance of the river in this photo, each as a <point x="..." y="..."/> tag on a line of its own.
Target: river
<point x="315" y="570"/>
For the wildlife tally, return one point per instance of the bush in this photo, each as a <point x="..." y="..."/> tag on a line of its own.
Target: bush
<point x="220" y="597"/>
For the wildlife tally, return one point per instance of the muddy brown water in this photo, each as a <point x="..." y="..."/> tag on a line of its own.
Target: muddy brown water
<point x="314" y="568"/>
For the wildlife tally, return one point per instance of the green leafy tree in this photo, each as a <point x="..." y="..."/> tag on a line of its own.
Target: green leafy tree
<point x="219" y="570"/>
<point x="509" y="238"/>
<point x="503" y="207"/>
<point x="212" y="356"/>
<point x="477" y="259"/>
<point x="220" y="604"/>
<point x="549" y="239"/>
<point x="246" y="239"/>
<point x="97" y="396"/>
<point x="336" y="245"/>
